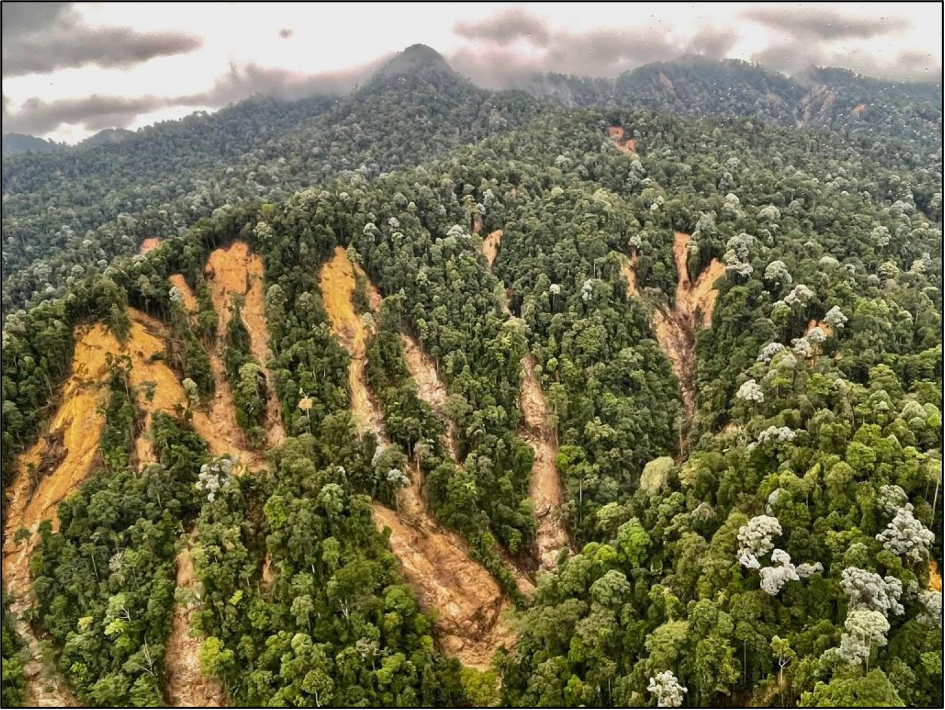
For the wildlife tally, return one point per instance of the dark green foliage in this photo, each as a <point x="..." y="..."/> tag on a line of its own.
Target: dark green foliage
<point x="104" y="583"/>
<point x="121" y="417"/>
<point x="246" y="378"/>
<point x="14" y="680"/>
<point x="814" y="436"/>
<point x="336" y="626"/>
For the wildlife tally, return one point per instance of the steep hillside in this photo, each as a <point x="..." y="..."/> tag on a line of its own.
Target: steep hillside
<point x="416" y="108"/>
<point x="413" y="110"/>
<point x="545" y="275"/>
<point x="17" y="143"/>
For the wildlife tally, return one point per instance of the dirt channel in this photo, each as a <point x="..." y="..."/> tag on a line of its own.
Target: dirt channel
<point x="676" y="327"/>
<point x="470" y="608"/>
<point x="546" y="490"/>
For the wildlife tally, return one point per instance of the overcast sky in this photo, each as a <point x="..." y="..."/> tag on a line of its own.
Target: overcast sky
<point x="72" y="69"/>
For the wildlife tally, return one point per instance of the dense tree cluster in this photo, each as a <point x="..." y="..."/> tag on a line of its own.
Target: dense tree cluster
<point x="14" y="681"/>
<point x="776" y="551"/>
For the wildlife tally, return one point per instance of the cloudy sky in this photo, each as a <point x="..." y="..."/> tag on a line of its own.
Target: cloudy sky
<point x="71" y="69"/>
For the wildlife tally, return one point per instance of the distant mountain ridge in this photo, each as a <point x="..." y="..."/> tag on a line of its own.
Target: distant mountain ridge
<point x="161" y="179"/>
<point x="19" y="143"/>
<point x="816" y="97"/>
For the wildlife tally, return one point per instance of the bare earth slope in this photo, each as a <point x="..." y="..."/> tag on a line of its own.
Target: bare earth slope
<point x="186" y="685"/>
<point x="676" y="328"/>
<point x="546" y="490"/>
<point x="465" y="597"/>
<point x="235" y="271"/>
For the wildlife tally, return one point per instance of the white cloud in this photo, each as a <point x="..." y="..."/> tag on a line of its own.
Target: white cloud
<point x="242" y="46"/>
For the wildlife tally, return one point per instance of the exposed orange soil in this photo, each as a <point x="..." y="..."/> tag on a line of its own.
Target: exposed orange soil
<point x="935" y="577"/>
<point x="676" y="328"/>
<point x="187" y="686"/>
<point x="70" y="449"/>
<point x="217" y="426"/>
<point x="429" y="387"/>
<point x="149" y="244"/>
<point x="490" y="246"/>
<point x="467" y="601"/>
<point x="814" y="323"/>
<point x="624" y="145"/>
<point x="546" y="491"/>
<point x="628" y="271"/>
<point x="235" y="271"/>
<point x="337" y="284"/>
<point x="431" y="390"/>
<point x="79" y="424"/>
<point x="190" y="301"/>
<point x="267" y="576"/>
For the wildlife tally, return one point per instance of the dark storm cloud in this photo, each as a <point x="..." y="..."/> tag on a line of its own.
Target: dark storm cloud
<point x="821" y="23"/>
<point x="491" y="62"/>
<point x="93" y="113"/>
<point x="504" y="27"/>
<point x="53" y="36"/>
<point x="244" y="81"/>
<point x="21" y="18"/>
<point x="804" y="37"/>
<point x="97" y="112"/>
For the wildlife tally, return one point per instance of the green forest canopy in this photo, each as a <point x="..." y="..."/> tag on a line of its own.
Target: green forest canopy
<point x="780" y="555"/>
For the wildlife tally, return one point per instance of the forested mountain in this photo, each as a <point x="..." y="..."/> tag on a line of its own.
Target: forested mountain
<point x="165" y="177"/>
<point x="109" y="136"/>
<point x="817" y="98"/>
<point x="168" y="176"/>
<point x="451" y="397"/>
<point x="16" y="143"/>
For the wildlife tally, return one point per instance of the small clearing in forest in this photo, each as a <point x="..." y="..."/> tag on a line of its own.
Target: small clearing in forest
<point x="490" y="246"/>
<point x="935" y="577"/>
<point x="814" y="323"/>
<point x="628" y="271"/>
<point x="149" y="244"/>
<point x="624" y="145"/>
<point x="179" y="282"/>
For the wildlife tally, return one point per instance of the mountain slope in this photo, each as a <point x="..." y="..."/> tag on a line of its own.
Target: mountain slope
<point x="833" y="433"/>
<point x="413" y="110"/>
<point x="18" y="143"/>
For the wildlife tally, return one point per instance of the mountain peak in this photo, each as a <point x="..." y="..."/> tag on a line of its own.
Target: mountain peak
<point x="417" y="59"/>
